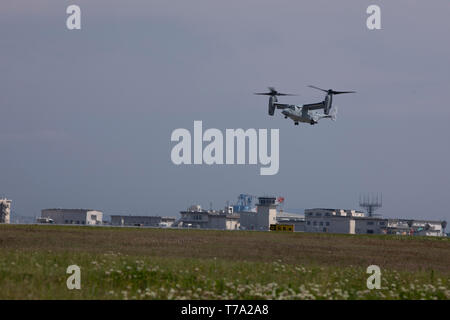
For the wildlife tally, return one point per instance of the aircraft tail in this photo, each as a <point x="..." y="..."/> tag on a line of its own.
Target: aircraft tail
<point x="333" y="113"/>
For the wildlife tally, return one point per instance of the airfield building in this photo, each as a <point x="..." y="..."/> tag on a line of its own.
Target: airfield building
<point x="196" y="217"/>
<point x="343" y="221"/>
<point x="416" y="227"/>
<point x="5" y="210"/>
<point x="355" y="222"/>
<point x="262" y="218"/>
<point x="294" y="219"/>
<point x="323" y="220"/>
<point x="73" y="216"/>
<point x="145" y="221"/>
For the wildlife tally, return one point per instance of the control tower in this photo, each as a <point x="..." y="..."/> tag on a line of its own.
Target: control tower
<point x="266" y="212"/>
<point x="265" y="215"/>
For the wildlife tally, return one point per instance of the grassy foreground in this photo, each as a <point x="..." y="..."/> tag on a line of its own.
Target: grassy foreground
<point x="142" y="263"/>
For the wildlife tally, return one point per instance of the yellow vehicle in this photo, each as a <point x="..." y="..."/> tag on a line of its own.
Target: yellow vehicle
<point x="282" y="227"/>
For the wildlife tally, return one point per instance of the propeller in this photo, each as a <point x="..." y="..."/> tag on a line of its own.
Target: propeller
<point x="331" y="91"/>
<point x="274" y="92"/>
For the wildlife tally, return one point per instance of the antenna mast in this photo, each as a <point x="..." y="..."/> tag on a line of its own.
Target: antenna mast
<point x="371" y="202"/>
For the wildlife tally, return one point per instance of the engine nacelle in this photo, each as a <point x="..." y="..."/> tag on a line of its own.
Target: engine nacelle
<point x="328" y="103"/>
<point x="272" y="100"/>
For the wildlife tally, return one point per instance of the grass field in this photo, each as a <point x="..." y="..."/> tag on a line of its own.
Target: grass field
<point x="143" y="263"/>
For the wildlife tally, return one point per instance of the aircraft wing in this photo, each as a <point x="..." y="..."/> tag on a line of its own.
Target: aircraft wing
<point x="314" y="106"/>
<point x="283" y="105"/>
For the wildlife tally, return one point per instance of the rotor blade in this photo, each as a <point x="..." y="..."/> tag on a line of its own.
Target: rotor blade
<point x="274" y="92"/>
<point x="341" y="92"/>
<point x="318" y="88"/>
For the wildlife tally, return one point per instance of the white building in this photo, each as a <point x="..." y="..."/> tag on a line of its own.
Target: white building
<point x="343" y="221"/>
<point x="73" y="216"/>
<point x="196" y="217"/>
<point x="355" y="222"/>
<point x="5" y="210"/>
<point x="265" y="215"/>
<point x="370" y="225"/>
<point x="146" y="221"/>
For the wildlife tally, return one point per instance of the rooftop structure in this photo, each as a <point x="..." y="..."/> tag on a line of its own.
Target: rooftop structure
<point x="245" y="203"/>
<point x="371" y="203"/>
<point x="318" y="212"/>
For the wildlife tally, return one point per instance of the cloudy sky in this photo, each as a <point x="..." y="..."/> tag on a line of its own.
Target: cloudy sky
<point x="87" y="115"/>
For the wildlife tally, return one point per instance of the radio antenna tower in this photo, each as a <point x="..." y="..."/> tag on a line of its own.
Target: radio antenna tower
<point x="371" y="202"/>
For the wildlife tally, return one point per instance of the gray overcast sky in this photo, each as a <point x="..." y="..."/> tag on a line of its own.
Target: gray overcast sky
<point x="87" y="115"/>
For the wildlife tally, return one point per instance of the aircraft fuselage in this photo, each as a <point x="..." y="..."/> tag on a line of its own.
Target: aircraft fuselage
<point x="299" y="115"/>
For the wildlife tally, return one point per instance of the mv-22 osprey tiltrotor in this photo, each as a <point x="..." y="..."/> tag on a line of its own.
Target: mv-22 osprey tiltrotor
<point x="304" y="113"/>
